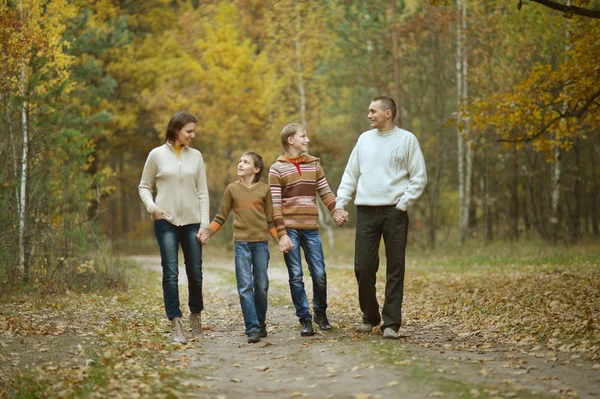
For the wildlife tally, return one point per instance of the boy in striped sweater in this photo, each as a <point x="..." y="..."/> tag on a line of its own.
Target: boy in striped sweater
<point x="295" y="179"/>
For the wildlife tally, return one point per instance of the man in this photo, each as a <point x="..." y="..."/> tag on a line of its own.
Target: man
<point x="387" y="172"/>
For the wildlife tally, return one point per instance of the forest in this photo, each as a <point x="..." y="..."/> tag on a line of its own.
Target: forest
<point x="502" y="288"/>
<point x="502" y="95"/>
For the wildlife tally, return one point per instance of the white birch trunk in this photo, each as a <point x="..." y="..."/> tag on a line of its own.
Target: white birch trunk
<point x="556" y="166"/>
<point x="459" y="137"/>
<point x="24" y="160"/>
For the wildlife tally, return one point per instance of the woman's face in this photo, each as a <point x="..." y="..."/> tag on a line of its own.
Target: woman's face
<point x="186" y="134"/>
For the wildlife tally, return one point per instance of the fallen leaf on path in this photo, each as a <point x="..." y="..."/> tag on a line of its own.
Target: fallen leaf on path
<point x="297" y="394"/>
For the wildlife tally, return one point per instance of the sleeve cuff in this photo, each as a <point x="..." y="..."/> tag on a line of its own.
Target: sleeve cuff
<point x="402" y="206"/>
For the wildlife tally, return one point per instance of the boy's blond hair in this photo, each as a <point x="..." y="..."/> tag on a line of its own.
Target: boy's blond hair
<point x="288" y="131"/>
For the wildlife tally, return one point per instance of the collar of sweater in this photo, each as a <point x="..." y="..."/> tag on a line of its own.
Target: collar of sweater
<point x="387" y="132"/>
<point x="168" y="144"/>
<point x="298" y="160"/>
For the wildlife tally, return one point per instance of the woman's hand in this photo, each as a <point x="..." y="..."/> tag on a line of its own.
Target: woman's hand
<point x="160" y="214"/>
<point x="203" y="235"/>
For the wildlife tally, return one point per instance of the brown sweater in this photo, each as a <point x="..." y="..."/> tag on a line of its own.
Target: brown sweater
<point x="253" y="209"/>
<point x="295" y="184"/>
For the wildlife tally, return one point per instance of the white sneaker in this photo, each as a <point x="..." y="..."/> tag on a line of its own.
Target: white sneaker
<point x="177" y="334"/>
<point x="389" y="333"/>
<point x="365" y="328"/>
<point x="196" y="324"/>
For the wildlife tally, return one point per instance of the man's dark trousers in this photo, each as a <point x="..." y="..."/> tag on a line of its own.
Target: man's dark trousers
<point x="372" y="223"/>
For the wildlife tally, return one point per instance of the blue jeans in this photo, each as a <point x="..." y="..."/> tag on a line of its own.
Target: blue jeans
<point x="169" y="237"/>
<point x="251" y="264"/>
<point x="310" y="242"/>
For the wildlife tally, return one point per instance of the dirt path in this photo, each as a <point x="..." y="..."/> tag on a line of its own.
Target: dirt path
<point x="340" y="364"/>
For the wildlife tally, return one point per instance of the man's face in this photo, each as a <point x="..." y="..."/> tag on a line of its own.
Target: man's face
<point x="377" y="115"/>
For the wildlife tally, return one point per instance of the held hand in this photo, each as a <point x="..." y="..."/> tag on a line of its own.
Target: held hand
<point x="340" y="216"/>
<point x="203" y="235"/>
<point x="160" y="214"/>
<point x="285" y="244"/>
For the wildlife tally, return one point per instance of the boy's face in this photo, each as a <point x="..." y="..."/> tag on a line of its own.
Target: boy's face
<point x="246" y="167"/>
<point x="299" y="141"/>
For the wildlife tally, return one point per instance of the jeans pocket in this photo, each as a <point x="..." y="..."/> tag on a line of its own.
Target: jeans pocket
<point x="161" y="225"/>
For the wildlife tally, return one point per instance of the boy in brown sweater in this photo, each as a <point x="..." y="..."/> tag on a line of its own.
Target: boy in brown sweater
<point x="250" y="199"/>
<point x="295" y="181"/>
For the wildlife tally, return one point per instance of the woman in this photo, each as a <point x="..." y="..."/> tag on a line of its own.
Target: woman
<point x="181" y="216"/>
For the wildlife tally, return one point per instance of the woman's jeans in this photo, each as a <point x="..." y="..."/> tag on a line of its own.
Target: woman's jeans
<point x="169" y="237"/>
<point x="310" y="242"/>
<point x="251" y="264"/>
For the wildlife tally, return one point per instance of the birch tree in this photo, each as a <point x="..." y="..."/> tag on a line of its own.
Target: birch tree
<point x="464" y="145"/>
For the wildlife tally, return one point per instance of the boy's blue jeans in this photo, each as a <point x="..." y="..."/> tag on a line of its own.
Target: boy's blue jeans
<point x="310" y="242"/>
<point x="251" y="264"/>
<point x="169" y="237"/>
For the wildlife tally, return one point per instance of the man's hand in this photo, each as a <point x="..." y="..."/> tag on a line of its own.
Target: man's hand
<point x="285" y="244"/>
<point x="203" y="235"/>
<point x="340" y="216"/>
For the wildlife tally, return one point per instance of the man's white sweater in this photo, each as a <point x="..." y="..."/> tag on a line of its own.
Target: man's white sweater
<point x="385" y="168"/>
<point x="181" y="189"/>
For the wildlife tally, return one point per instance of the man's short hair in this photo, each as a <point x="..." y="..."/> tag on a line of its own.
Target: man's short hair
<point x="387" y="103"/>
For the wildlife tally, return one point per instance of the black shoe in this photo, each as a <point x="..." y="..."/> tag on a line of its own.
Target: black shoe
<point x="307" y="328"/>
<point x="253" y="337"/>
<point x="263" y="330"/>
<point x="322" y="322"/>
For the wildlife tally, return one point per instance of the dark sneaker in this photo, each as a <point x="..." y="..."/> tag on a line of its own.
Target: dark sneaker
<point x="322" y="322"/>
<point x="307" y="328"/>
<point x="254" y="337"/>
<point x="263" y="330"/>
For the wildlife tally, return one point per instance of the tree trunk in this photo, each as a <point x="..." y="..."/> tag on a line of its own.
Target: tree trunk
<point x="464" y="174"/>
<point x="594" y="191"/>
<point x="459" y="138"/>
<point x="325" y="218"/>
<point x="534" y="209"/>
<point x="483" y="186"/>
<point x="124" y="200"/>
<point x="23" y="266"/>
<point x="395" y="37"/>
<point x="576" y="211"/>
<point x="514" y="196"/>
<point x="556" y="166"/>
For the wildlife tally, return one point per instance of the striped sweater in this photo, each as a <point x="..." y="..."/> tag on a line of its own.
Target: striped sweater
<point x="295" y="184"/>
